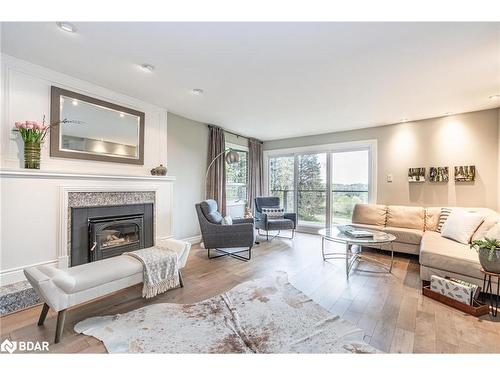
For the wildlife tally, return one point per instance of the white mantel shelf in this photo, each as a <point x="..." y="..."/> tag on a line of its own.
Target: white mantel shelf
<point x="49" y="174"/>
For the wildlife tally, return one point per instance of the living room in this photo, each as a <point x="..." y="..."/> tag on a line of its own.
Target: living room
<point x="250" y="187"/>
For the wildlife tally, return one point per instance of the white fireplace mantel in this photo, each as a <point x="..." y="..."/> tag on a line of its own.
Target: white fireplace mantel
<point x="42" y="173"/>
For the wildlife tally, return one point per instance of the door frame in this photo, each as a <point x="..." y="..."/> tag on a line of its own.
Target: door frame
<point x="369" y="144"/>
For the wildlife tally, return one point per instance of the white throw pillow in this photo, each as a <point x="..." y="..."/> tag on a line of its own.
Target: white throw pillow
<point x="493" y="233"/>
<point x="228" y="220"/>
<point x="461" y="225"/>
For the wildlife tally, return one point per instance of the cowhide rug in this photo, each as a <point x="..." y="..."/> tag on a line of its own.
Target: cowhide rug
<point x="267" y="315"/>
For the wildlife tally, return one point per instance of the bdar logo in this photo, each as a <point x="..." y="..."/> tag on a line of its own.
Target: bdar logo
<point x="8" y="346"/>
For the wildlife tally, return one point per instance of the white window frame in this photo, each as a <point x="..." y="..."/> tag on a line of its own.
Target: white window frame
<point x="237" y="147"/>
<point x="370" y="145"/>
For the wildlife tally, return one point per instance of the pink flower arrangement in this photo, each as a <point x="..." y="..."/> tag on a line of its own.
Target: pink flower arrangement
<point x="35" y="132"/>
<point x="31" y="125"/>
<point x="32" y="131"/>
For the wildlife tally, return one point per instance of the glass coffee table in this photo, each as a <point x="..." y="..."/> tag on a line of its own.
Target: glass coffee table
<point x="379" y="239"/>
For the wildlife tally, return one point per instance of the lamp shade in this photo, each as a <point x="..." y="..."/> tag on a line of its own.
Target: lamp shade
<point x="232" y="157"/>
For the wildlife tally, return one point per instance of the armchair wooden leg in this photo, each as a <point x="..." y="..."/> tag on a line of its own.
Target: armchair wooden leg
<point x="43" y="314"/>
<point x="61" y="317"/>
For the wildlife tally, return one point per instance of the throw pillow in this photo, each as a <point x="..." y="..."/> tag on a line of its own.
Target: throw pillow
<point x="461" y="225"/>
<point x="445" y="212"/>
<point x="493" y="233"/>
<point x="273" y="212"/>
<point x="228" y="220"/>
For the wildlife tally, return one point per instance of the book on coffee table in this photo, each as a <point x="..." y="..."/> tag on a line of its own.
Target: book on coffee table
<point x="354" y="232"/>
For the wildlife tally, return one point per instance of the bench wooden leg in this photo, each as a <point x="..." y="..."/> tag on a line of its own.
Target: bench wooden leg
<point x="43" y="314"/>
<point x="181" y="282"/>
<point x="61" y="317"/>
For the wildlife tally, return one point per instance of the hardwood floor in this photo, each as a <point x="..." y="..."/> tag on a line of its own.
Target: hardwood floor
<point x="388" y="307"/>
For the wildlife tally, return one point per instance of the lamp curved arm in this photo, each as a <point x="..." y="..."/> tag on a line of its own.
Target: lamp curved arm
<point x="208" y="170"/>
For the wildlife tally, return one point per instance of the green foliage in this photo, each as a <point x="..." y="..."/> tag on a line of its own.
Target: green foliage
<point x="492" y="244"/>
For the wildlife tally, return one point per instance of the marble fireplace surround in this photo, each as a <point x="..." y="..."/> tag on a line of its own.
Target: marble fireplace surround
<point x="94" y="197"/>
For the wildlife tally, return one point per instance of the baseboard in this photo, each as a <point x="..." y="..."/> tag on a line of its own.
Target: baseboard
<point x="193" y="240"/>
<point x="14" y="275"/>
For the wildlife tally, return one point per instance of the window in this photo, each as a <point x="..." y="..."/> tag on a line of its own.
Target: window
<point x="350" y="180"/>
<point x="322" y="186"/>
<point x="281" y="181"/>
<point x="236" y="178"/>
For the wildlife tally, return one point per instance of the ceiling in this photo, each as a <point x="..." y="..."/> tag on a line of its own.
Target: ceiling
<point x="279" y="80"/>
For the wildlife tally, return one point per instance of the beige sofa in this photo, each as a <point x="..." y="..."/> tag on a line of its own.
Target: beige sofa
<point x="415" y="231"/>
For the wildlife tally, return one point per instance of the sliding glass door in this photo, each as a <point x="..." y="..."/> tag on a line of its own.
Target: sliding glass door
<point x="312" y="189"/>
<point x="321" y="187"/>
<point x="282" y="180"/>
<point x="350" y="180"/>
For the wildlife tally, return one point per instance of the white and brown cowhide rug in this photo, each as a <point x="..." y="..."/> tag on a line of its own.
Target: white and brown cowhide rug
<point x="266" y="315"/>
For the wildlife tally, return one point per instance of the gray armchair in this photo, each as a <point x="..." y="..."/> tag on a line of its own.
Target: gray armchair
<point x="217" y="236"/>
<point x="288" y="222"/>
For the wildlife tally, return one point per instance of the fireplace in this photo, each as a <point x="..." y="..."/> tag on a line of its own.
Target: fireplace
<point x="106" y="231"/>
<point x="112" y="236"/>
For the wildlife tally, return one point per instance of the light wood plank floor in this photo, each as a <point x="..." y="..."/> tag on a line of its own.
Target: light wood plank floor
<point x="389" y="308"/>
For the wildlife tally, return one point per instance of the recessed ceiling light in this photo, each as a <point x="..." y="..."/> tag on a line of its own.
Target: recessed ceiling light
<point x="74" y="102"/>
<point x="66" y="26"/>
<point x="122" y="114"/>
<point x="147" y="67"/>
<point x="495" y="96"/>
<point x="197" y="91"/>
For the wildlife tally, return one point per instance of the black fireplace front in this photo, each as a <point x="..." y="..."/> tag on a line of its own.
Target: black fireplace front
<point x="112" y="236"/>
<point x="106" y="231"/>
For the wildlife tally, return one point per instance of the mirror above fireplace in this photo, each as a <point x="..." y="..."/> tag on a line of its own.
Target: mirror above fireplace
<point x="96" y="130"/>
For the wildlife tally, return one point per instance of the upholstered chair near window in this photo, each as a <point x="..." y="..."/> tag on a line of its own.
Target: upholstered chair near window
<point x="225" y="240"/>
<point x="269" y="216"/>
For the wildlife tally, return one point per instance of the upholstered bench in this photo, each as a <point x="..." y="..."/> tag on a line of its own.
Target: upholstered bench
<point x="64" y="288"/>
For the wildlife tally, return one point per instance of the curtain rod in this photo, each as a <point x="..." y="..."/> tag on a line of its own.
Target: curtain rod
<point x="235" y="134"/>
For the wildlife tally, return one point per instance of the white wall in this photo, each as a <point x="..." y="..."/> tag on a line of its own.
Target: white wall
<point x="30" y="206"/>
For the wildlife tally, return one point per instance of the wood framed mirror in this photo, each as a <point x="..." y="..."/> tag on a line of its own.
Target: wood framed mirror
<point x="104" y="132"/>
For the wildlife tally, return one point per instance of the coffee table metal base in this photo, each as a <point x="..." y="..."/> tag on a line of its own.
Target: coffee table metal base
<point x="351" y="258"/>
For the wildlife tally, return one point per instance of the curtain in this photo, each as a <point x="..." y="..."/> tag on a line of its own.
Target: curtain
<point x="216" y="177"/>
<point x="255" y="171"/>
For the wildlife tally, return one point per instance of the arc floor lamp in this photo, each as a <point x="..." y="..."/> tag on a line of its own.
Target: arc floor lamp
<point x="231" y="157"/>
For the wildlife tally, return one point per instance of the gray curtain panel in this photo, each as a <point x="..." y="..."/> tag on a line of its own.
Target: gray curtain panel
<point x="216" y="179"/>
<point x="255" y="171"/>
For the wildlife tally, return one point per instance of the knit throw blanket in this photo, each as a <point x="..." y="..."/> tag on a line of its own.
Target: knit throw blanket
<point x="160" y="269"/>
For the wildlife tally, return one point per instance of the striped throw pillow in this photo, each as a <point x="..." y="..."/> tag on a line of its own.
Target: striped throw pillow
<point x="273" y="212"/>
<point x="445" y="212"/>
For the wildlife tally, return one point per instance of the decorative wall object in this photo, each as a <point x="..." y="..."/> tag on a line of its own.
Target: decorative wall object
<point x="161" y="170"/>
<point x="416" y="175"/>
<point x="439" y="174"/>
<point x="465" y="173"/>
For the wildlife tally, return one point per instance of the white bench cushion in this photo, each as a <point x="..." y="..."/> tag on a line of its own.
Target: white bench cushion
<point x="63" y="288"/>
<point x="89" y="275"/>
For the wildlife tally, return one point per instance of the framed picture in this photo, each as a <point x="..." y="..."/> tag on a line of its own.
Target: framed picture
<point x="465" y="173"/>
<point x="439" y="174"/>
<point x="416" y="175"/>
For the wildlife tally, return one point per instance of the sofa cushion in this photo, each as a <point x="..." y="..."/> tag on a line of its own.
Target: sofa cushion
<point x="448" y="255"/>
<point x="461" y="225"/>
<point x="406" y="235"/>
<point x="373" y="214"/>
<point x="489" y="222"/>
<point x="432" y="215"/>
<point x="406" y="217"/>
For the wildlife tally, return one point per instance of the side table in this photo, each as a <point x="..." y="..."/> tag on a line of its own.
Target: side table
<point x="488" y="289"/>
